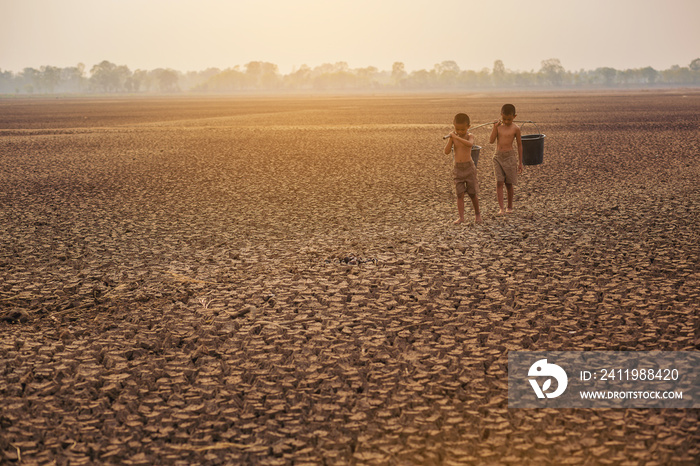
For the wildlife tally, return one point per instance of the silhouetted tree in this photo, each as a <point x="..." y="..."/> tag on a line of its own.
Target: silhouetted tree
<point x="262" y="75"/>
<point x="139" y="80"/>
<point x="607" y="75"/>
<point x="447" y="72"/>
<point x="333" y="76"/>
<point x="7" y="82"/>
<point x="231" y="79"/>
<point x="336" y="80"/>
<point x="627" y="77"/>
<point x="167" y="79"/>
<point x="258" y="75"/>
<point x="299" y="79"/>
<point x="50" y="77"/>
<point x="553" y="71"/>
<point x="526" y="79"/>
<point x="366" y="77"/>
<point x="109" y="77"/>
<point x="73" y="78"/>
<point x="677" y="75"/>
<point x="32" y="80"/>
<point x="422" y="79"/>
<point x="196" y="80"/>
<point x="649" y="74"/>
<point x="499" y="72"/>
<point x="398" y="74"/>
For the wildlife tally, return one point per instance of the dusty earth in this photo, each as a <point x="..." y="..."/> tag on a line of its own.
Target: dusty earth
<point x="277" y="280"/>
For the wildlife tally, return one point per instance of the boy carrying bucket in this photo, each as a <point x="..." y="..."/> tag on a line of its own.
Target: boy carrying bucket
<point x="506" y="164"/>
<point x="464" y="167"/>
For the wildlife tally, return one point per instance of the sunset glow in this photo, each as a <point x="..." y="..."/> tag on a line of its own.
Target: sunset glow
<point x="194" y="35"/>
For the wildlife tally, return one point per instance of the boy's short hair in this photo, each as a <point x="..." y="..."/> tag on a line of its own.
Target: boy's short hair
<point x="461" y="119"/>
<point x="508" y="109"/>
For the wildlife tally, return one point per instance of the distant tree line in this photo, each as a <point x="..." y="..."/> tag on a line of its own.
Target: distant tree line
<point x="106" y="77"/>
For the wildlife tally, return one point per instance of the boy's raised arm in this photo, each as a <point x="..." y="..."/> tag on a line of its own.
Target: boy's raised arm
<point x="448" y="146"/>
<point x="469" y="142"/>
<point x="494" y="132"/>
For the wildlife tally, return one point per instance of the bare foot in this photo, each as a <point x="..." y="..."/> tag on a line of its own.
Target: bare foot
<point x="478" y="220"/>
<point x="509" y="211"/>
<point x="458" y="221"/>
<point x="500" y="212"/>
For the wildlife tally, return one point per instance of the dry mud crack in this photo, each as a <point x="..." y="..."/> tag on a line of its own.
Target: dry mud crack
<point x="241" y="282"/>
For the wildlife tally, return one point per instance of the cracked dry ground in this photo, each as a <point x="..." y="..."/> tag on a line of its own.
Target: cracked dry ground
<point x="176" y="289"/>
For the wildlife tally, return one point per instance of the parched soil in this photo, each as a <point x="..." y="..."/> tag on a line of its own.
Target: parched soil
<point x="277" y="280"/>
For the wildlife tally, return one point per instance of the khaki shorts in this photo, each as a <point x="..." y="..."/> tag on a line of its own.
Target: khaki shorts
<point x="505" y="166"/>
<point x="465" y="178"/>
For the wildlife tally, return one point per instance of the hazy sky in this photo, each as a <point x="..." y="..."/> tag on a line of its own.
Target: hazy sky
<point x="197" y="34"/>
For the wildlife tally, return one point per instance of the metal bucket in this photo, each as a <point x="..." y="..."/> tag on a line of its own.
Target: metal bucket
<point x="533" y="147"/>
<point x="475" y="154"/>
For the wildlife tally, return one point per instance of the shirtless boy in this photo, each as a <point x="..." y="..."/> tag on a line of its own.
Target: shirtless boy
<point x="464" y="168"/>
<point x="506" y="163"/>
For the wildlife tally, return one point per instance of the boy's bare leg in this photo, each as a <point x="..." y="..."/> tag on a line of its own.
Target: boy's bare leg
<point x="477" y="212"/>
<point x="460" y="209"/>
<point x="499" y="196"/>
<point x="509" y="189"/>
